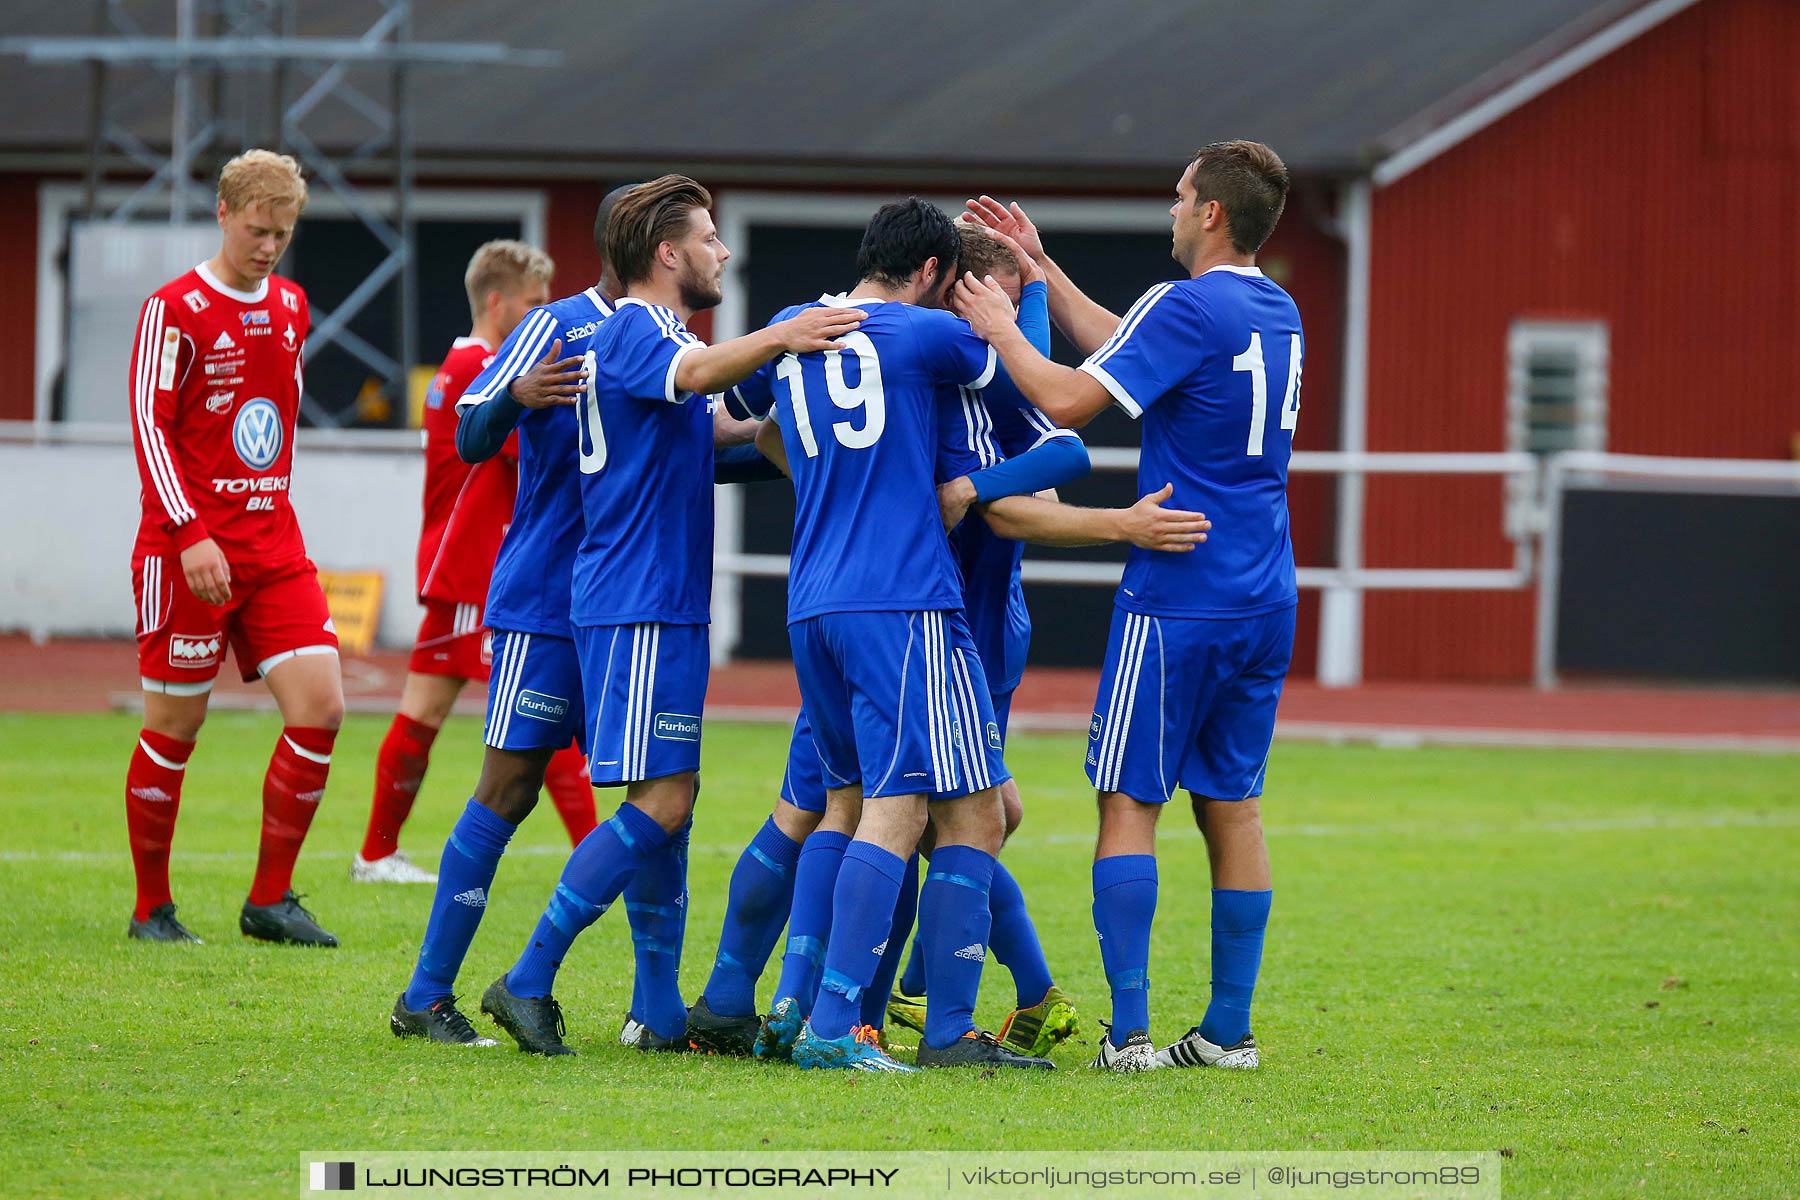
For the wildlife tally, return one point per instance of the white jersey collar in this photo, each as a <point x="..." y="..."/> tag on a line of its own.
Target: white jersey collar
<point x="599" y="301"/>
<point x="1233" y="269"/>
<point x="216" y="284"/>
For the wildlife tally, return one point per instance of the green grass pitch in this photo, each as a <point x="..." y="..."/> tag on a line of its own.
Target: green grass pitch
<point x="1589" y="960"/>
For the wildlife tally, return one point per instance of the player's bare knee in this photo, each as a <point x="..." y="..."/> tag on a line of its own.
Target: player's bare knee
<point x="795" y="823"/>
<point x="510" y="782"/>
<point x="978" y="820"/>
<point x="668" y="800"/>
<point x="1013" y="807"/>
<point x="429" y="699"/>
<point x="177" y="717"/>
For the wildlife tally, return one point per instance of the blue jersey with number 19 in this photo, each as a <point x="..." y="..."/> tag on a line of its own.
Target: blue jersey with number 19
<point x="860" y="427"/>
<point x="1212" y="365"/>
<point x="646" y="463"/>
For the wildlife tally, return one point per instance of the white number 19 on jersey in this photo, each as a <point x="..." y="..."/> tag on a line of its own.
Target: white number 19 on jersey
<point x="1251" y="360"/>
<point x="867" y="394"/>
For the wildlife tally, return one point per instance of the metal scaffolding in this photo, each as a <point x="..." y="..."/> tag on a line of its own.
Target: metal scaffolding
<point x="237" y="73"/>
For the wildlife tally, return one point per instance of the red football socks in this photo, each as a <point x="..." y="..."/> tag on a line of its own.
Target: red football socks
<point x="399" y="770"/>
<point x="566" y="779"/>
<point x="152" y="797"/>
<point x="291" y="793"/>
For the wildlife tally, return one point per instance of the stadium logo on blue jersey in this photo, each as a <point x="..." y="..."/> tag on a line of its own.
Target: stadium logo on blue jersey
<point x="581" y="331"/>
<point x="256" y="434"/>
<point x="677" y="727"/>
<point x="540" y="707"/>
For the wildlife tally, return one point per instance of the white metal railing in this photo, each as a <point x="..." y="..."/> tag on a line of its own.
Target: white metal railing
<point x="1106" y="574"/>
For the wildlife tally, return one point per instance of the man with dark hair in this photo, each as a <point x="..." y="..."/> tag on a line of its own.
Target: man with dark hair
<point x="886" y="666"/>
<point x="1199" y="646"/>
<point x="640" y="596"/>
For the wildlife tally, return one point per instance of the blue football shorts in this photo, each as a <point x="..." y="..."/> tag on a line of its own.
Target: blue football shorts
<point x="898" y="702"/>
<point x="534" y="693"/>
<point x="646" y="689"/>
<point x="1188" y="702"/>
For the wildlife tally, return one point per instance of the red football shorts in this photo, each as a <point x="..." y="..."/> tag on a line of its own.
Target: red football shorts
<point x="274" y="614"/>
<point x="452" y="642"/>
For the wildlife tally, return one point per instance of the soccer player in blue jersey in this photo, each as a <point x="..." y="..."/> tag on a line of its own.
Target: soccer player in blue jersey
<point x="644" y="436"/>
<point x="723" y="1020"/>
<point x="1004" y="437"/>
<point x="534" y="697"/>
<point x="530" y="387"/>
<point x="1200" y="644"/>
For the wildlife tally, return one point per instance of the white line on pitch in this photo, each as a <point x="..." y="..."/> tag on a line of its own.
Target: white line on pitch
<point x="1648" y="823"/>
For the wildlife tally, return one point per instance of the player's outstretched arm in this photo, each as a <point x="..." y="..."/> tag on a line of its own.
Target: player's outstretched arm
<point x="716" y="368"/>
<point x="1084" y="322"/>
<point x="1147" y="523"/>
<point x="1065" y="395"/>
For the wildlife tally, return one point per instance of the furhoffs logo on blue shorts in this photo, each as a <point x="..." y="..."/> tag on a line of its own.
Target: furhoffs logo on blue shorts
<point x="541" y="707"/>
<point x="677" y="727"/>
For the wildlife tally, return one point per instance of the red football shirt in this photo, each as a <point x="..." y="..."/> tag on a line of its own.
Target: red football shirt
<point x="467" y="508"/>
<point x="215" y="397"/>
<point x="445" y="472"/>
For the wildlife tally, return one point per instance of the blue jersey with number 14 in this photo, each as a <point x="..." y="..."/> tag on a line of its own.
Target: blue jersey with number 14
<point x="861" y="429"/>
<point x="1212" y="365"/>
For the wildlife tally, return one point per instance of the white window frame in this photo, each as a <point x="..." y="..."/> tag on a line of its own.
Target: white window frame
<point x="58" y="200"/>
<point x="1590" y="344"/>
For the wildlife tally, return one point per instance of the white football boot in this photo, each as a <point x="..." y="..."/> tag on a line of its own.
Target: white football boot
<point x="1195" y="1051"/>
<point x="395" y="868"/>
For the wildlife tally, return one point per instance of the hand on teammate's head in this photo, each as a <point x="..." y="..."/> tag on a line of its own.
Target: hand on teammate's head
<point x="982" y="304"/>
<point x="1010" y="220"/>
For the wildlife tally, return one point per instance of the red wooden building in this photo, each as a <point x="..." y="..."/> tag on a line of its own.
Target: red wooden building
<point x="1518" y="224"/>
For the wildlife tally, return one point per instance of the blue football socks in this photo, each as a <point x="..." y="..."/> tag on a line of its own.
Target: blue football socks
<point x="1124" y="907"/>
<point x="953" y="925"/>
<point x="1238" y="922"/>
<point x="762" y="890"/>
<point x="868" y="886"/>
<point x="906" y="907"/>
<point x="656" y="907"/>
<point x="809" y="924"/>
<point x="1014" y="940"/>
<point x="595" y="875"/>
<point x="465" y="872"/>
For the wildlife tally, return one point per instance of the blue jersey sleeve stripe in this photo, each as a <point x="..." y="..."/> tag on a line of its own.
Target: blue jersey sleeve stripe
<point x="987" y="371"/>
<point x="1039" y="421"/>
<point x="1111" y="343"/>
<point x="533" y="340"/>
<point x="1117" y="390"/>
<point x="1127" y="326"/>
<point x="670" y="393"/>
<point x="974" y="414"/>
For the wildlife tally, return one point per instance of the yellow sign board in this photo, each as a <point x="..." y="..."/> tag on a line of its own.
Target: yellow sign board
<point x="354" y="598"/>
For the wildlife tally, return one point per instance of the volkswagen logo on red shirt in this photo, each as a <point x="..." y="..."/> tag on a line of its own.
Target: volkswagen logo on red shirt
<point x="256" y="434"/>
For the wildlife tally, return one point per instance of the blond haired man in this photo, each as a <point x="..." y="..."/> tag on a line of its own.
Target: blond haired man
<point x="215" y="389"/>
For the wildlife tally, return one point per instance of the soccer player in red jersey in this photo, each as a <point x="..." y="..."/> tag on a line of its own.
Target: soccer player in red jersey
<point x="219" y="561"/>
<point x="466" y="511"/>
